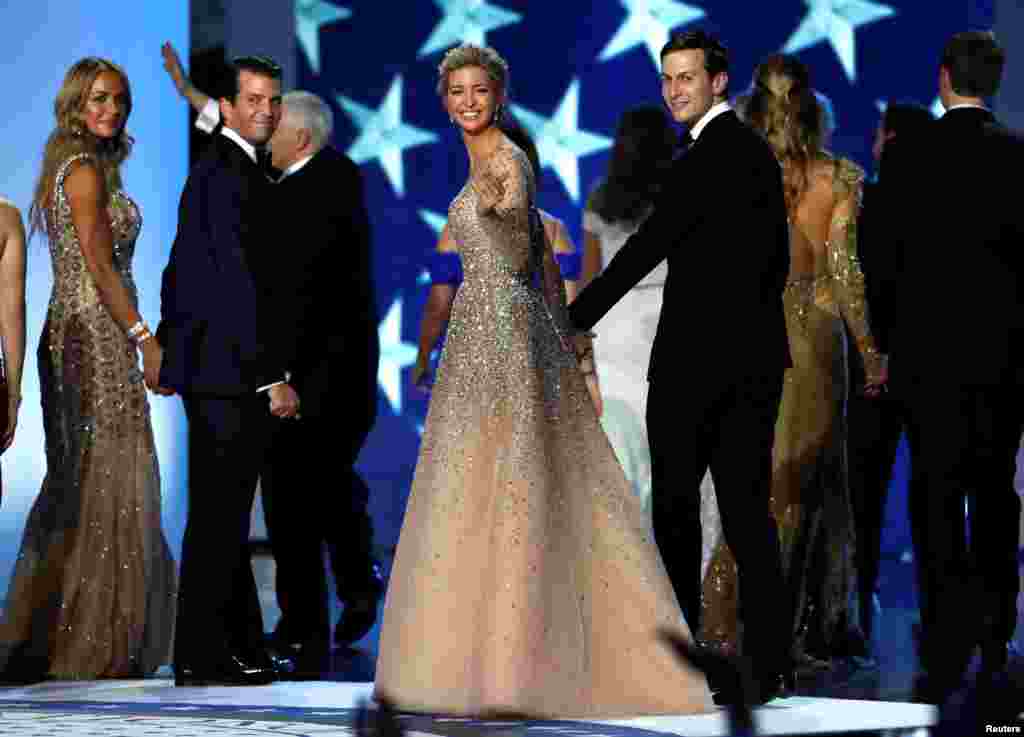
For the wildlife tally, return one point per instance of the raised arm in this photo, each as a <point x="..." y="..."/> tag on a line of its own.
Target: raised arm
<point x="844" y="267"/>
<point x="172" y="63"/>
<point x="12" y="310"/>
<point x="87" y="197"/>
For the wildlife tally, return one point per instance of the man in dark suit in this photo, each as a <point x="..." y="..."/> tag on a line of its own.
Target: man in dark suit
<point x="323" y="289"/>
<point x="957" y="351"/>
<point x="228" y="361"/>
<point x="721" y="223"/>
<point x="874" y="423"/>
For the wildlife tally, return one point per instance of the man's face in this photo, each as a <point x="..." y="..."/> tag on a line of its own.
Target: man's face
<point x="287" y="141"/>
<point x="688" y="89"/>
<point x="256" y="109"/>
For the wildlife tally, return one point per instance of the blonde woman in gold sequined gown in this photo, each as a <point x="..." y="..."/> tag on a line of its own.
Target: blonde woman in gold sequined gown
<point x="92" y="595"/>
<point x="526" y="579"/>
<point x="825" y="310"/>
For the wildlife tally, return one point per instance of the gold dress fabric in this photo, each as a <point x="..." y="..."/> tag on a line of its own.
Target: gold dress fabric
<point x="526" y="580"/>
<point x="93" y="590"/>
<point x="825" y="304"/>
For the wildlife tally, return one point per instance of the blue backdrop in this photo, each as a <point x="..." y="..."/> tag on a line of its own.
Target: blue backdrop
<point x="575" y="68"/>
<point x="42" y="39"/>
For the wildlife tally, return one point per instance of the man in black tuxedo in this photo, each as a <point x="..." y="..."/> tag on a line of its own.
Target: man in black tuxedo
<point x="720" y="351"/>
<point x="323" y="290"/>
<point x="874" y="423"/>
<point x="957" y="351"/>
<point x="226" y="354"/>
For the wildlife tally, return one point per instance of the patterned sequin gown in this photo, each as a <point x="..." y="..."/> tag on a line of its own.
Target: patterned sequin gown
<point x="825" y="304"/>
<point x="526" y="578"/>
<point x="93" y="590"/>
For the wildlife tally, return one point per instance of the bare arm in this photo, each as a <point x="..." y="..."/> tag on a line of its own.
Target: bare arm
<point x="87" y="197"/>
<point x="592" y="258"/>
<point x="12" y="310"/>
<point x="172" y="63"/>
<point x="435" y="314"/>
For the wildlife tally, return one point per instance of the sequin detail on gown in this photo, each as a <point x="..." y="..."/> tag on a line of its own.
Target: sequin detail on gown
<point x="93" y="590"/>
<point x="526" y="579"/>
<point x="810" y="489"/>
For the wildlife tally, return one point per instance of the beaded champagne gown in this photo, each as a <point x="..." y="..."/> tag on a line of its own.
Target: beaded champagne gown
<point x="824" y="300"/>
<point x="93" y="590"/>
<point x="526" y="578"/>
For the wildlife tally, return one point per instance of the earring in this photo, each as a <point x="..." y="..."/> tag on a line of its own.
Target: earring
<point x="497" y="114"/>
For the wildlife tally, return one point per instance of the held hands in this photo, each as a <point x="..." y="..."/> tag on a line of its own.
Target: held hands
<point x="284" y="401"/>
<point x="152" y="360"/>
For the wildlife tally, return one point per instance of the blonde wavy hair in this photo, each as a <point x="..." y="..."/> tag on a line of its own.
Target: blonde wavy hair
<point x="71" y="136"/>
<point x="471" y="55"/>
<point x="783" y="108"/>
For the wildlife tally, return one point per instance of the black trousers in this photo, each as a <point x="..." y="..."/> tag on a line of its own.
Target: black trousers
<point x="313" y="495"/>
<point x="218" y="607"/>
<point x="963" y="446"/>
<point x="873" y="429"/>
<point x="729" y="428"/>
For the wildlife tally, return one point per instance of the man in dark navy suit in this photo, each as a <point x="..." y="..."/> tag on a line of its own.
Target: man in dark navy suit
<point x="956" y="358"/>
<point x="227" y="355"/>
<point x="322" y="290"/>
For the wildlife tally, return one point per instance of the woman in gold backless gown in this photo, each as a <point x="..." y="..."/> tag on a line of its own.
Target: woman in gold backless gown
<point x="92" y="595"/>
<point x="825" y="309"/>
<point x="526" y="579"/>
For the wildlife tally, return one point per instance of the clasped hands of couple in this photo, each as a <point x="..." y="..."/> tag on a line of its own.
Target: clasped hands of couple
<point x="283" y="399"/>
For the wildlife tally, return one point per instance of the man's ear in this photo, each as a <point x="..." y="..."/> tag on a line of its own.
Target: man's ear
<point x="226" y="109"/>
<point x="719" y="84"/>
<point x="304" y="138"/>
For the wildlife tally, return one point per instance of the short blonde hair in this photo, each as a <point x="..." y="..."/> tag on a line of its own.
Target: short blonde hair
<point x="471" y="55"/>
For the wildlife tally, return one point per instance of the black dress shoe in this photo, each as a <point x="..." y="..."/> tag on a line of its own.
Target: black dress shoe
<point x="231" y="670"/>
<point x="301" y="662"/>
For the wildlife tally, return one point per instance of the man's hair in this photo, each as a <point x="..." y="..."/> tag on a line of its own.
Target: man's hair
<point x="716" y="55"/>
<point x="906" y="118"/>
<point x="975" y="62"/>
<point x="264" y="66"/>
<point x="313" y="113"/>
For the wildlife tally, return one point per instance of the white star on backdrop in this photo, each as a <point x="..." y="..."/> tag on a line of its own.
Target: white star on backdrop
<point x="559" y="140"/>
<point x="836" y="21"/>
<point x="649" y="22"/>
<point x="310" y="15"/>
<point x="466" y="21"/>
<point x="395" y="355"/>
<point x="383" y="135"/>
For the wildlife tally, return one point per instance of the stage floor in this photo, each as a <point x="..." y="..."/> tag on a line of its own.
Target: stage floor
<point x="325" y="709"/>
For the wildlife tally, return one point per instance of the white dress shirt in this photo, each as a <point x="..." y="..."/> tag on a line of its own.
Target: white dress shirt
<point x="714" y="112"/>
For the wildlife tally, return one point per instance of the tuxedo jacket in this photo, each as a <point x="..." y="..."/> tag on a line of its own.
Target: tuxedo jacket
<point x="720" y="220"/>
<point x="214" y="343"/>
<point x="956" y="291"/>
<point x="320" y="287"/>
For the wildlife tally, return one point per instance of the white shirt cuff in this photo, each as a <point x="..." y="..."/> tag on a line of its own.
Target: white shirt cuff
<point x="209" y="116"/>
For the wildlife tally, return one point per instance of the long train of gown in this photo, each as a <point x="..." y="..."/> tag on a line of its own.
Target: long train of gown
<point x="526" y="578"/>
<point x="93" y="589"/>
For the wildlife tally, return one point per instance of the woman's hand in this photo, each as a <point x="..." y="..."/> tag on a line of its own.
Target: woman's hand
<point x="421" y="374"/>
<point x="152" y="359"/>
<point x="13" y="405"/>
<point x="489" y="191"/>
<point x="876" y="382"/>
<point x="594" y="388"/>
